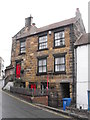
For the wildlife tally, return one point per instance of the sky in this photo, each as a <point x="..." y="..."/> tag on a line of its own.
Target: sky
<point x="44" y="12"/>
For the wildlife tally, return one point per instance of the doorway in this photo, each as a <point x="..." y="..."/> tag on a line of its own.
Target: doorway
<point x="65" y="90"/>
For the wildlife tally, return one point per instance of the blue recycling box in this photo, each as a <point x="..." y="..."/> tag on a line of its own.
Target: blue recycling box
<point x="66" y="102"/>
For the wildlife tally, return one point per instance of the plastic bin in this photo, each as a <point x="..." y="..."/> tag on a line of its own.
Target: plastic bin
<point x="66" y="102"/>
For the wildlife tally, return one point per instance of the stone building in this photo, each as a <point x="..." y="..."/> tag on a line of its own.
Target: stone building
<point x="1" y="68"/>
<point x="43" y="58"/>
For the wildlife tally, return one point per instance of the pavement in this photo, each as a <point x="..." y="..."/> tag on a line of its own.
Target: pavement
<point x="67" y="112"/>
<point x="60" y="111"/>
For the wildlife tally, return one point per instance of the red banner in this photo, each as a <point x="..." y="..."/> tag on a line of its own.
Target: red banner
<point x="18" y="70"/>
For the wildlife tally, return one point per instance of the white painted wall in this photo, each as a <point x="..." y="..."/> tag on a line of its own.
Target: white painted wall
<point x="89" y="67"/>
<point x="8" y="85"/>
<point x="1" y="68"/>
<point x="82" y="77"/>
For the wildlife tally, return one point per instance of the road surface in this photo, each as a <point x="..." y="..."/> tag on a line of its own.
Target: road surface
<point x="13" y="107"/>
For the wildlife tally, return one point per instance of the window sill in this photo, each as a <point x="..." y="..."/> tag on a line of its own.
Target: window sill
<point x="42" y="49"/>
<point x="57" y="73"/>
<point x="39" y="74"/>
<point x="58" y="46"/>
<point x="22" y="53"/>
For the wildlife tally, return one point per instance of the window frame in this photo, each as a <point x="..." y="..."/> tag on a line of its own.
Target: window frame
<point x="60" y="56"/>
<point x="59" y="39"/>
<point x="41" y="73"/>
<point x="45" y="35"/>
<point x="23" y="47"/>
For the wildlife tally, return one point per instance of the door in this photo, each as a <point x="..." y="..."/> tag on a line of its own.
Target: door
<point x="88" y="100"/>
<point x="18" y="70"/>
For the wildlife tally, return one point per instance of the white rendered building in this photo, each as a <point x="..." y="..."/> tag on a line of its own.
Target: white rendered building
<point x="82" y="51"/>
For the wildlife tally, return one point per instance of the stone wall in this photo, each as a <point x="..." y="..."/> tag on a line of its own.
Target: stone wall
<point x="29" y="60"/>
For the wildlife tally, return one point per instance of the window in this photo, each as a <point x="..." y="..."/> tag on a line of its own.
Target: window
<point x="22" y="47"/>
<point x="59" y="39"/>
<point x="59" y="64"/>
<point x="44" y="87"/>
<point x="42" y="42"/>
<point x="42" y="65"/>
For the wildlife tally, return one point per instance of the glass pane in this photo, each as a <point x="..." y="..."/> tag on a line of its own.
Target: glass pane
<point x="62" y="60"/>
<point x="57" y="60"/>
<point x="56" y="68"/>
<point x="44" y="69"/>
<point x="23" y="50"/>
<point x="42" y="39"/>
<point x="59" y="35"/>
<point x="62" y="67"/>
<point x="42" y="45"/>
<point x="44" y="62"/>
<point x="40" y="69"/>
<point x="40" y="48"/>
<point x="62" y="41"/>
<point x="57" y="42"/>
<point x="62" y="34"/>
<point x="40" y="62"/>
<point x="22" y="44"/>
<point x="56" y="35"/>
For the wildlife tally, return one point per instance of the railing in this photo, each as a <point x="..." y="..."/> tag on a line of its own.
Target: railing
<point x="29" y="92"/>
<point x="33" y="92"/>
<point x="51" y="93"/>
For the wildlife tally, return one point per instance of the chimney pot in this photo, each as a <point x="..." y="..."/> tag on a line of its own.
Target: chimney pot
<point x="77" y="9"/>
<point x="33" y="24"/>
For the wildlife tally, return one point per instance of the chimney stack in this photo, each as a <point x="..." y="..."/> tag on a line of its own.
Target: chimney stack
<point x="78" y="14"/>
<point x="28" y="21"/>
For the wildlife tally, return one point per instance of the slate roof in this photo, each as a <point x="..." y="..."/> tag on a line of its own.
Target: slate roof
<point x="56" y="25"/>
<point x="24" y="32"/>
<point x="83" y="40"/>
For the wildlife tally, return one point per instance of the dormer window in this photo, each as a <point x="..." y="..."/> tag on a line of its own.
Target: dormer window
<point x="22" y="47"/>
<point x="42" y="42"/>
<point x="59" y="39"/>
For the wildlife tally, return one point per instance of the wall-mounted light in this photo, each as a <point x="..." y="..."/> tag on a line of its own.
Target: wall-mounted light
<point x="50" y="32"/>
